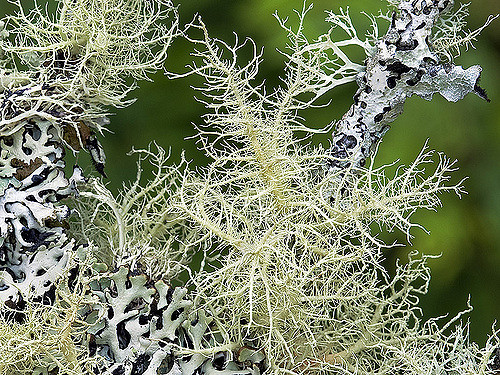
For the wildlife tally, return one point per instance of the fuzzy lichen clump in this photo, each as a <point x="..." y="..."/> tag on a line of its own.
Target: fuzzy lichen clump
<point x="100" y="43"/>
<point x="288" y="276"/>
<point x="137" y="227"/>
<point x="451" y="35"/>
<point x="80" y="59"/>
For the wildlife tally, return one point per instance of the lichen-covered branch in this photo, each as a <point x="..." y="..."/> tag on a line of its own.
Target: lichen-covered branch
<point x="403" y="64"/>
<point x="290" y="277"/>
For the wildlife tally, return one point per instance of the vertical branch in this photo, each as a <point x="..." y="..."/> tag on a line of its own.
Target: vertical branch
<point x="403" y="65"/>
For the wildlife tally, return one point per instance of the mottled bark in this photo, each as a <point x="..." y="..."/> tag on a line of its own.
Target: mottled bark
<point x="403" y="65"/>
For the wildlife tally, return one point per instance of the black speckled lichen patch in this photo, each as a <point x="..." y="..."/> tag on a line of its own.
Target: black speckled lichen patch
<point x="403" y="65"/>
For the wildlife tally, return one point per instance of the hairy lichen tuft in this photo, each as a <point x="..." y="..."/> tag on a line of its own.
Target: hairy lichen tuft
<point x="66" y="65"/>
<point x="451" y="35"/>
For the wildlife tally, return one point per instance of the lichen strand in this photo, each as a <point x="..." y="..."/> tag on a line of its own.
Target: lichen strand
<point x="137" y="228"/>
<point x="451" y="33"/>
<point x="255" y="130"/>
<point x="403" y="65"/>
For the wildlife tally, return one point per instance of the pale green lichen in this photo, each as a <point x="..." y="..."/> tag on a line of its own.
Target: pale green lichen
<point x="97" y="44"/>
<point x="316" y="67"/>
<point x="451" y="35"/>
<point x="137" y="228"/>
<point x="86" y="55"/>
<point x="291" y="257"/>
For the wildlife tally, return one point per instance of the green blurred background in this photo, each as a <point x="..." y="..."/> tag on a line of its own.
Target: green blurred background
<point x="466" y="231"/>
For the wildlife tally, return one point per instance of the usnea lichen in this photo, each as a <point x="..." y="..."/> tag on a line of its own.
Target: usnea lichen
<point x="451" y="36"/>
<point x="137" y="226"/>
<point x="289" y="276"/>
<point x="79" y="61"/>
<point x="100" y="43"/>
<point x="300" y="275"/>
